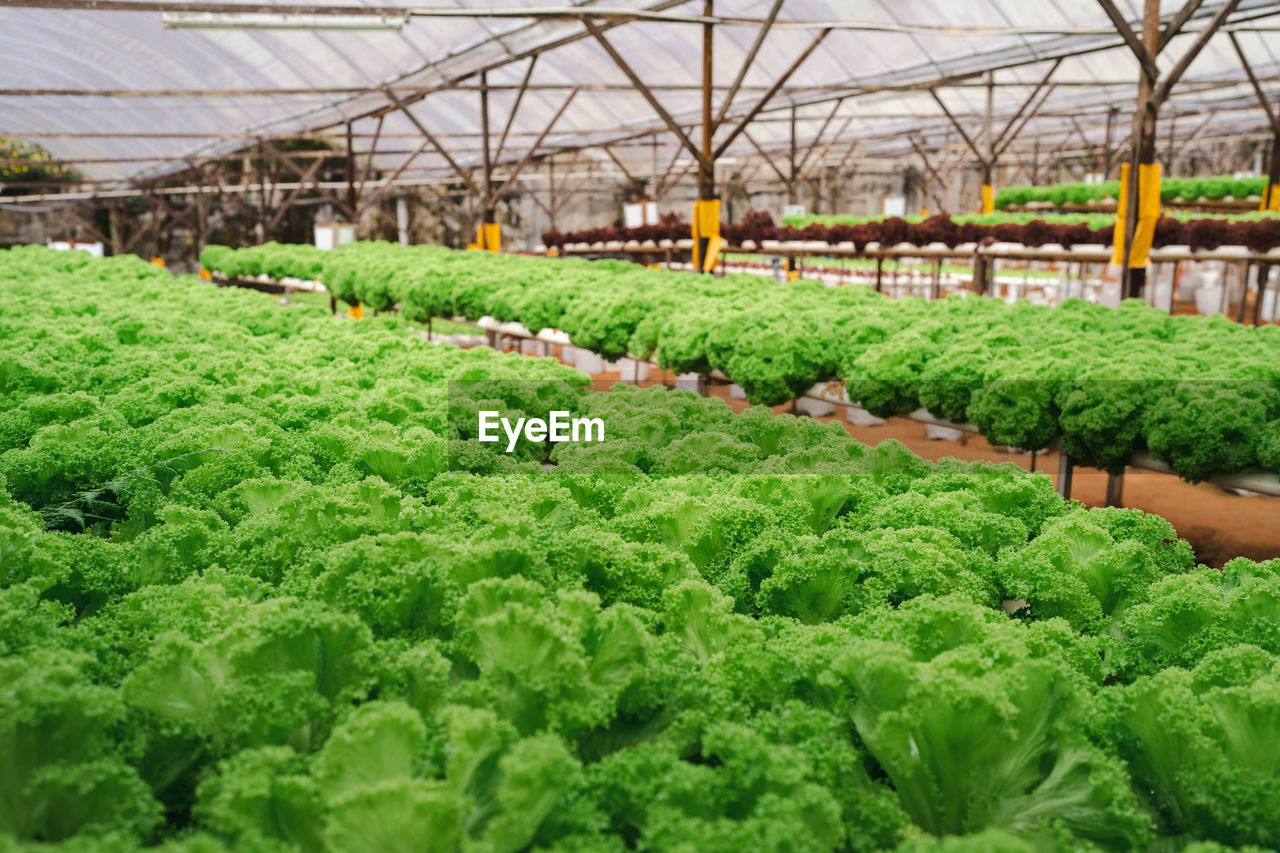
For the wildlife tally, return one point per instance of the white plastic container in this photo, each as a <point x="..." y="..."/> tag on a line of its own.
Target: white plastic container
<point x="688" y="382"/>
<point x="859" y="416"/>
<point x="814" y="408"/>
<point x="1209" y="299"/>
<point x="1268" y="314"/>
<point x="633" y="370"/>
<point x="936" y="432"/>
<point x="589" y="363"/>
<point x="1110" y="294"/>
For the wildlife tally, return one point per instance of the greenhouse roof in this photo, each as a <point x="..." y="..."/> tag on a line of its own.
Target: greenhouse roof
<point x="132" y="90"/>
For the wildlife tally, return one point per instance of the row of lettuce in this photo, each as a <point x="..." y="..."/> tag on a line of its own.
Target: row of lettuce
<point x="1202" y="394"/>
<point x="1212" y="188"/>
<point x="1257" y="231"/>
<point x="261" y="590"/>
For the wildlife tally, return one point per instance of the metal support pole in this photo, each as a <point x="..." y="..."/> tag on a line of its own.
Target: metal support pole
<point x="352" y="200"/>
<point x="486" y="202"/>
<point x="1244" y="289"/>
<point x="1066" y="466"/>
<point x="1115" y="489"/>
<point x="706" y="165"/>
<point x="988" y="168"/>
<point x="1133" y="280"/>
<point x="1273" y="172"/>
<point x="262" y="196"/>
<point x="551" y="191"/>
<point x="402" y="220"/>
<point x="1106" y="146"/>
<point x="1264" y="274"/>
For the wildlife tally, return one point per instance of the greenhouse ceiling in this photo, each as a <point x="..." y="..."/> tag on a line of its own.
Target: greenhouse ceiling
<point x="130" y="91"/>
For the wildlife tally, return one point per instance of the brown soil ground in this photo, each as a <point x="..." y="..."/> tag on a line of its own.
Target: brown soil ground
<point x="1218" y="523"/>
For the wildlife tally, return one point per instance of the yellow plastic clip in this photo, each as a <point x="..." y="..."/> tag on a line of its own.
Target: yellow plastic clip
<point x="988" y="198"/>
<point x="158" y="261"/>
<point x="356" y="312"/>
<point x="204" y="275"/>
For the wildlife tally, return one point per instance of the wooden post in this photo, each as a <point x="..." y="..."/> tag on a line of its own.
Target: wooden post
<point x="551" y="191"/>
<point x="1106" y="147"/>
<point x="793" y="191"/>
<point x="262" y="195"/>
<point x="352" y="200"/>
<point x="1066" y="466"/>
<point x="1115" y="489"/>
<point x="706" y="165"/>
<point x="988" y="167"/>
<point x="487" y="216"/>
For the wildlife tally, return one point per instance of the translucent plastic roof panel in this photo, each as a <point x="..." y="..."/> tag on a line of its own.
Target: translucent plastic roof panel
<point x="211" y="89"/>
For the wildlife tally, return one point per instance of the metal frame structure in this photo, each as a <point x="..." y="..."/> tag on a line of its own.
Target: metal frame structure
<point x="777" y="81"/>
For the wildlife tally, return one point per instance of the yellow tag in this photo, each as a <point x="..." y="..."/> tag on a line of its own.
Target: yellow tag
<point x="714" y="243"/>
<point x="792" y="275"/>
<point x="204" y="275"/>
<point x="1274" y="202"/>
<point x="1122" y="210"/>
<point x="1148" y="213"/>
<point x="489" y="236"/>
<point x="988" y="199"/>
<point x="924" y="212"/>
<point x="1144" y="231"/>
<point x="158" y="261"/>
<point x="708" y="217"/>
<point x="356" y="312"/>
<point x="553" y="252"/>
<point x="473" y="247"/>
<point x="706" y="224"/>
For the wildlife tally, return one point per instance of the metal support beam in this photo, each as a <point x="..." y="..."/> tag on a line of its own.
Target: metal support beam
<point x="290" y="198"/>
<point x="377" y="194"/>
<point x="1206" y="33"/>
<point x="1142" y="49"/>
<point x="707" y="161"/>
<point x="1263" y="100"/>
<point x="1143" y="150"/>
<point x="352" y="197"/>
<point x="1034" y="92"/>
<point x="528" y="154"/>
<point x="511" y="116"/>
<point x="648" y="95"/>
<point x="1035" y="110"/>
<point x="786" y="181"/>
<point x="636" y="184"/>
<point x="1176" y="24"/>
<point x="747" y="63"/>
<point x="435" y="143"/>
<point x="773" y="90"/>
<point x="368" y="160"/>
<point x="288" y="162"/>
<point x="486" y="197"/>
<point x="973" y="146"/>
